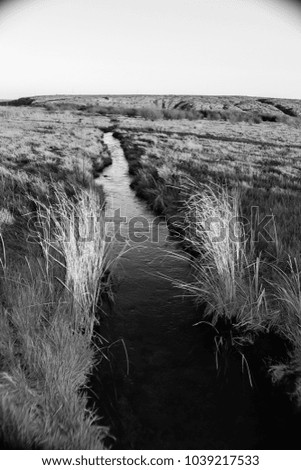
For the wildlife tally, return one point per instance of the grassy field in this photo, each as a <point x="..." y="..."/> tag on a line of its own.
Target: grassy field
<point x="224" y="171"/>
<point x="51" y="282"/>
<point x="262" y="161"/>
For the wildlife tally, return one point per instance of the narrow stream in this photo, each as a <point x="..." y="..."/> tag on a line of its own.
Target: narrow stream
<point x="173" y="397"/>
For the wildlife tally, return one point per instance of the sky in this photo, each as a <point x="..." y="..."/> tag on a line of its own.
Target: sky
<point x="198" y="47"/>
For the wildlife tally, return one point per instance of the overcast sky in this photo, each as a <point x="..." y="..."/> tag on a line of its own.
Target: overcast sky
<point x="241" y="47"/>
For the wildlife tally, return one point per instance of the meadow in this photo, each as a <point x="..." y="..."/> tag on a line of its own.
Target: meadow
<point x="225" y="174"/>
<point x="51" y="283"/>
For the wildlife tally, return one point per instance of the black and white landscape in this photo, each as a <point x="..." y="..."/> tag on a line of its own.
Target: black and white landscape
<point x="150" y="287"/>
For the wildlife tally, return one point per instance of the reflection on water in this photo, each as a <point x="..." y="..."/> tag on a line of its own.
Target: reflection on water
<point x="142" y="288"/>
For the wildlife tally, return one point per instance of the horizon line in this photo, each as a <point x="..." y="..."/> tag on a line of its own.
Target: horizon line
<point x="146" y="94"/>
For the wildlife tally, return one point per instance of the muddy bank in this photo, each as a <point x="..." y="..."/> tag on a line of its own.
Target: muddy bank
<point x="163" y="198"/>
<point x="99" y="166"/>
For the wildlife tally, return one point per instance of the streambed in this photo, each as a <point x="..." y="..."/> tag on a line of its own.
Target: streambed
<point x="172" y="396"/>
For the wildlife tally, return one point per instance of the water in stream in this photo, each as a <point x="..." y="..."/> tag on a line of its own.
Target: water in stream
<point x="173" y="396"/>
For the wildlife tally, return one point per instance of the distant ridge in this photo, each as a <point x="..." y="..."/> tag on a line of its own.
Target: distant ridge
<point x="211" y="107"/>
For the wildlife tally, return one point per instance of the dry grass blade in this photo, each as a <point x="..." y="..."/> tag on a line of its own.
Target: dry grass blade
<point x="224" y="279"/>
<point x="48" y="312"/>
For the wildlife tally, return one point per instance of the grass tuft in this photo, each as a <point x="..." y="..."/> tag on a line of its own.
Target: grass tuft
<point x="224" y="278"/>
<point x="48" y="312"/>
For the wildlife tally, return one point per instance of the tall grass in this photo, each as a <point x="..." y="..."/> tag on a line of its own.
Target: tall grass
<point x="225" y="279"/>
<point x="287" y="301"/>
<point x="74" y="236"/>
<point x="48" y="310"/>
<point x="235" y="286"/>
